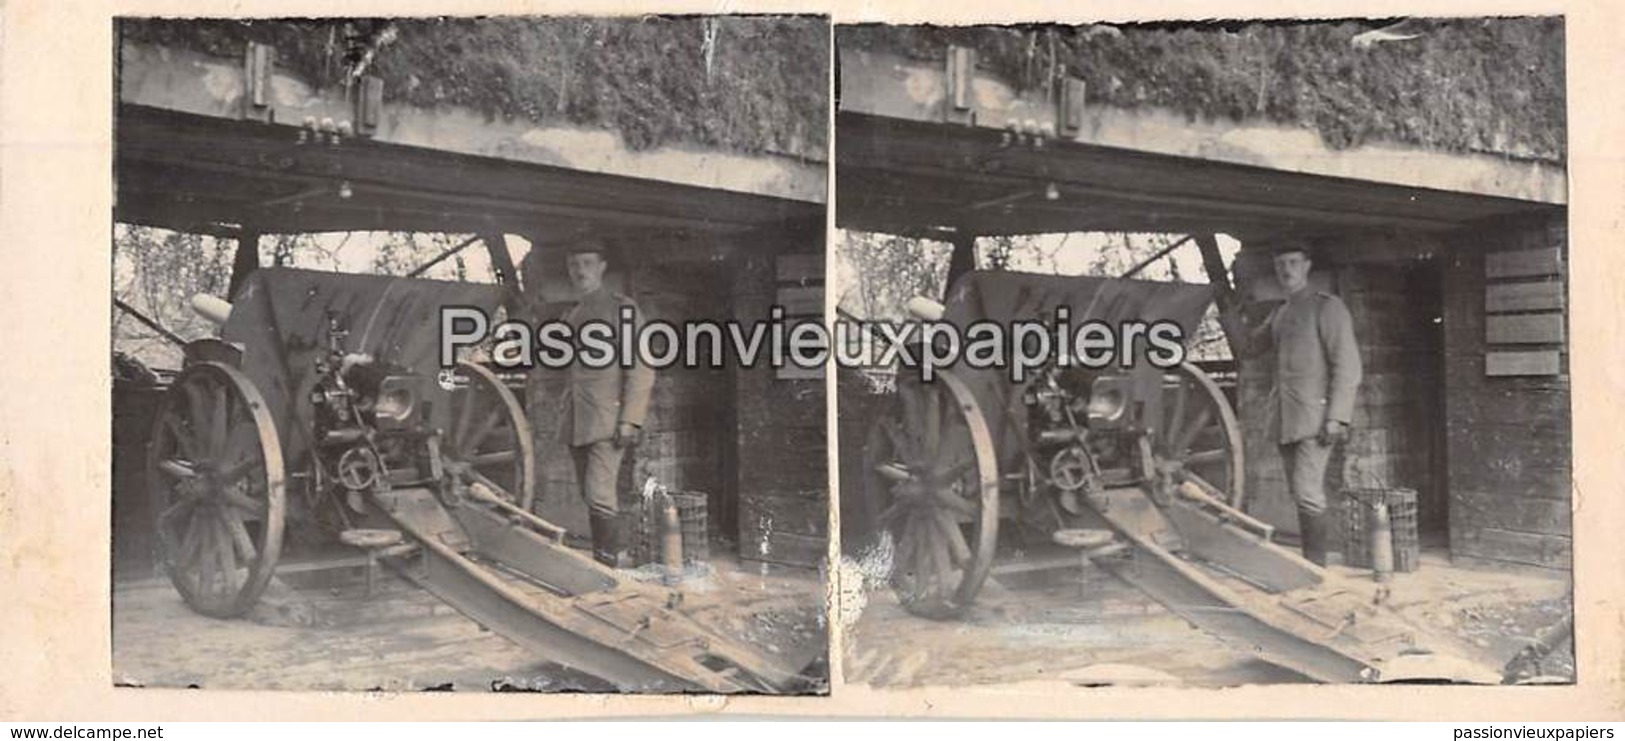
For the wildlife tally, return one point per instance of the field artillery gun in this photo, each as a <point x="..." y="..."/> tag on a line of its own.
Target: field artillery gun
<point x="1141" y="467"/>
<point x="323" y="403"/>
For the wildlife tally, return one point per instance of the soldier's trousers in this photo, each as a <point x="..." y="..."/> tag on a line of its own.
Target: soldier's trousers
<point x="598" y="465"/>
<point x="1305" y="464"/>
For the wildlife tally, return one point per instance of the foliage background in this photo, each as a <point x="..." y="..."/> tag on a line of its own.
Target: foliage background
<point x="158" y="271"/>
<point x="876" y="274"/>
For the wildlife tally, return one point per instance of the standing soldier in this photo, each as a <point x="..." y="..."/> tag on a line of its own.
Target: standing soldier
<point x="603" y="408"/>
<point x="1317" y="372"/>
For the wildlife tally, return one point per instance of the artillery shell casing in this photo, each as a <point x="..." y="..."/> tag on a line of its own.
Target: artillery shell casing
<point x="1382" y="541"/>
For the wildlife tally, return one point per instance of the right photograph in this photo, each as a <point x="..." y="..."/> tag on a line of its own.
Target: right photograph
<point x="1203" y="354"/>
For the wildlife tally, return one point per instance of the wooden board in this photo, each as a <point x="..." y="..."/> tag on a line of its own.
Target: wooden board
<point x="1524" y="329"/>
<point x="895" y="176"/>
<point x="801" y="304"/>
<point x="679" y="444"/>
<point x="802" y="301"/>
<point x="698" y="412"/>
<point x="1552" y="551"/>
<point x="783" y="459"/>
<point x="1524" y="263"/>
<point x="1538" y="296"/>
<point x="1510" y="461"/>
<point x="804" y="269"/>
<point x="1529" y="401"/>
<point x="177" y="168"/>
<point x="1523" y="363"/>
<point x="799" y="404"/>
<point x="798" y="513"/>
<point x="798" y="373"/>
<point x="1521" y="514"/>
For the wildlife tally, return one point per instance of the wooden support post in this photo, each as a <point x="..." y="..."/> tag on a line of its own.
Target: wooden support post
<point x="507" y="275"/>
<point x="1224" y="294"/>
<point x="501" y="261"/>
<point x="1213" y="265"/>
<point x="532" y="269"/>
<point x="963" y="258"/>
<point x="244" y="261"/>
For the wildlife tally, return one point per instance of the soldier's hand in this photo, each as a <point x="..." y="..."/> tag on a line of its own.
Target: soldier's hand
<point x="1333" y="432"/>
<point x="627" y="434"/>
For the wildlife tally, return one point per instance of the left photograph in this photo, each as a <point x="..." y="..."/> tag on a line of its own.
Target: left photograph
<point x="437" y="354"/>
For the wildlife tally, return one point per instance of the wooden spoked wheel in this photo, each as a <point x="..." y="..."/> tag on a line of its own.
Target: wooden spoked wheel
<point x="1200" y="437"/>
<point x="930" y="466"/>
<point x="216" y="474"/>
<point x="488" y="432"/>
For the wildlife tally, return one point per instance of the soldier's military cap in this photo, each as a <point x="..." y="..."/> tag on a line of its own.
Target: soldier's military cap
<point x="593" y="245"/>
<point x="1289" y="246"/>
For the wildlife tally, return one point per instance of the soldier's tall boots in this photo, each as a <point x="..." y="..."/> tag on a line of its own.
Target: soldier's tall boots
<point x="1312" y="527"/>
<point x="608" y="538"/>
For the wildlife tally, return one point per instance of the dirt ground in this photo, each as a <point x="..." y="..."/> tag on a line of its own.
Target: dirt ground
<point x="1052" y="619"/>
<point x="318" y="631"/>
<point x="1045" y="619"/>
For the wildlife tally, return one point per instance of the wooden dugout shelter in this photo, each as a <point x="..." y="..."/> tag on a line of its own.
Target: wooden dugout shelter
<point x="238" y="147"/>
<point x="1451" y="262"/>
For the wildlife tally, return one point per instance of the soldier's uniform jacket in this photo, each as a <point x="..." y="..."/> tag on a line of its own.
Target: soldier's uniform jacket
<point x="597" y="399"/>
<point x="1317" y="363"/>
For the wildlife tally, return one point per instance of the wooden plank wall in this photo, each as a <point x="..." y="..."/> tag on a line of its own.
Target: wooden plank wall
<point x="782" y="441"/>
<point x="1396" y="440"/>
<point x="1509" y="436"/>
<point x="1524" y="295"/>
<point x="683" y="437"/>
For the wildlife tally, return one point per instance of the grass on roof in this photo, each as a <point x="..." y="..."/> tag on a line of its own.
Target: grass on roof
<point x="741" y="83"/>
<point x="1467" y="85"/>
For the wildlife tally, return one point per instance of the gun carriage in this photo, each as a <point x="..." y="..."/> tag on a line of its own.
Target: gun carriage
<point x="323" y="403"/>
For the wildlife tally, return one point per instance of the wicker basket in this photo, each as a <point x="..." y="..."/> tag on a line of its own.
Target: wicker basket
<point x="691" y="514"/>
<point x="1357" y="506"/>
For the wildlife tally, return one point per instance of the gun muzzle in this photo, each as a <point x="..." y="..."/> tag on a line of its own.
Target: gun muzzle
<point x="925" y="309"/>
